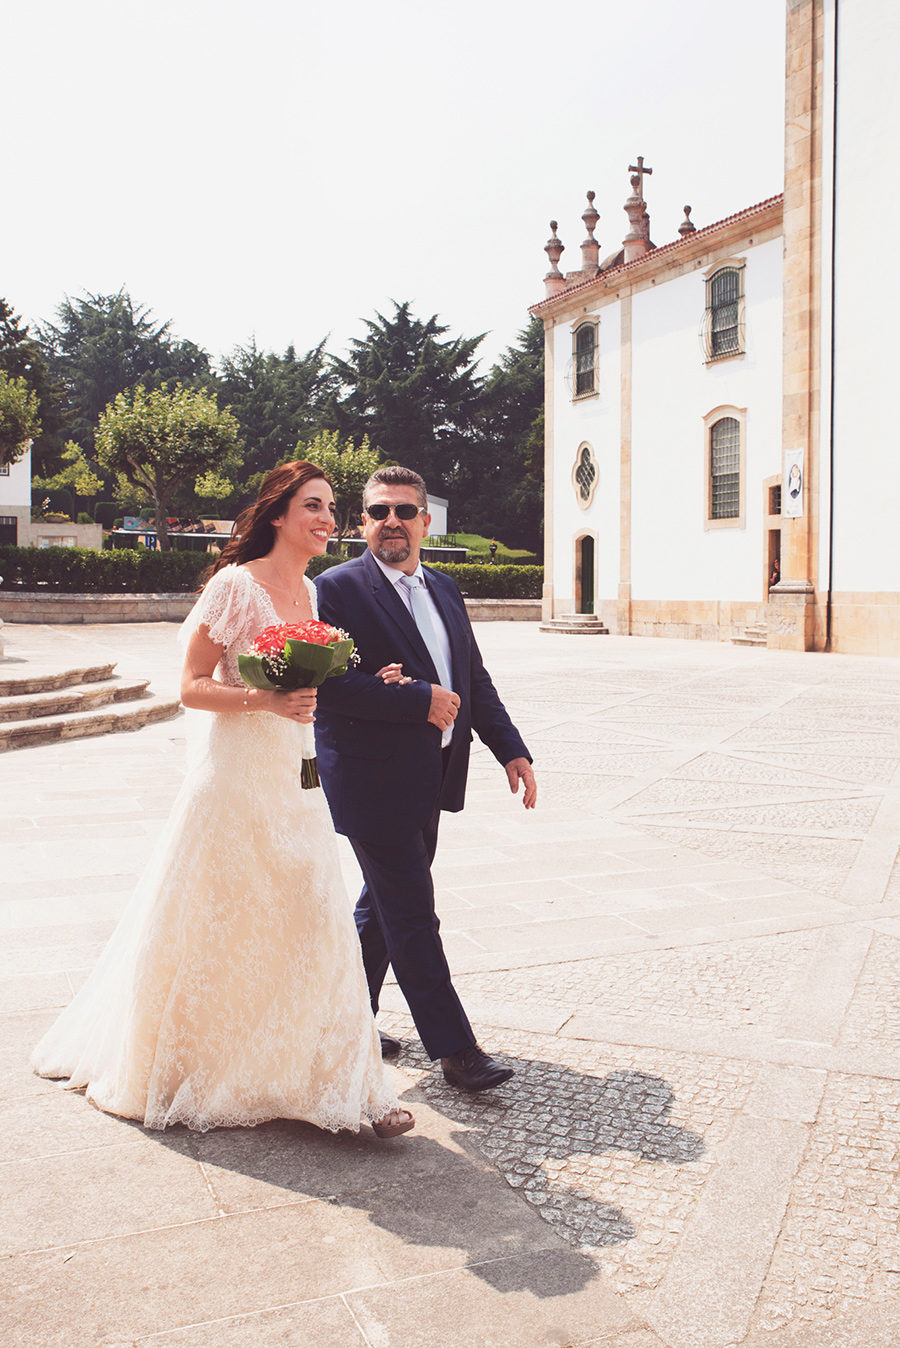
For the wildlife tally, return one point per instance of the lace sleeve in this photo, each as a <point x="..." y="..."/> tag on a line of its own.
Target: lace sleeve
<point x="224" y="608"/>
<point x="313" y="596"/>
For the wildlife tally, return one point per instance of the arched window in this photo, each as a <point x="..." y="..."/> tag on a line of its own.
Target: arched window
<point x="723" y="322"/>
<point x="725" y="469"/>
<point x="585" y="360"/>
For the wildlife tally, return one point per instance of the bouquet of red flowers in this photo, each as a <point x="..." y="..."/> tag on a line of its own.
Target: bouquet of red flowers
<point x="297" y="655"/>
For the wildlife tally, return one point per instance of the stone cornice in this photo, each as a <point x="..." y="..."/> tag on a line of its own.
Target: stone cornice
<point x="757" y="223"/>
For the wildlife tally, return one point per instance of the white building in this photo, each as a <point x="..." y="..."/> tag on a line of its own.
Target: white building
<point x="15" y="499"/>
<point x="686" y="384"/>
<point x="16" y="526"/>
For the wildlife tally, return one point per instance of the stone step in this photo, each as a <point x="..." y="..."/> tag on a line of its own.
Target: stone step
<point x="114" y="717"/>
<point x="84" y="697"/>
<point x="749" y="639"/>
<point x="19" y="685"/>
<point x="577" y="618"/>
<point x="574" y="625"/>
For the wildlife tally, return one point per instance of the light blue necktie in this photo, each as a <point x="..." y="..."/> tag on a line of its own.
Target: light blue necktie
<point x="422" y="618"/>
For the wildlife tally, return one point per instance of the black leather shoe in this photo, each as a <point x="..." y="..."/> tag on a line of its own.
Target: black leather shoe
<point x="473" y="1070"/>
<point x="390" y="1046"/>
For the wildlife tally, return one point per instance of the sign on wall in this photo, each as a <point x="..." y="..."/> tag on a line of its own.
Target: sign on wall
<point x="792" y="483"/>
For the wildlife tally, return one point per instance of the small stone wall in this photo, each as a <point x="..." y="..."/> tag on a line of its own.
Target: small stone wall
<point x="57" y="607"/>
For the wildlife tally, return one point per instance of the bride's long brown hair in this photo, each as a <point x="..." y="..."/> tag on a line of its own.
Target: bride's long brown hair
<point x="253" y="535"/>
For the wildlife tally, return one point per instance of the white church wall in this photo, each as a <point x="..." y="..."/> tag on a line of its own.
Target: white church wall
<point x="595" y="421"/>
<point x="867" y="300"/>
<point x="15" y="483"/>
<point x="674" y="555"/>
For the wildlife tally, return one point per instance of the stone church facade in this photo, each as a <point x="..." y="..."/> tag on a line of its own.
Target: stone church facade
<point x="719" y="453"/>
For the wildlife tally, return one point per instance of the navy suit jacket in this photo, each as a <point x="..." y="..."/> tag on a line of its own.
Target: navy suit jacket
<point x="380" y="759"/>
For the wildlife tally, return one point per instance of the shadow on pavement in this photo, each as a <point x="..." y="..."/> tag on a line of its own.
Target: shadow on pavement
<point x="543" y="1128"/>
<point x="425" y="1192"/>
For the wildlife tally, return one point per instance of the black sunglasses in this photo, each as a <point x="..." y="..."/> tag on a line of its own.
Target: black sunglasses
<point x="405" y="511"/>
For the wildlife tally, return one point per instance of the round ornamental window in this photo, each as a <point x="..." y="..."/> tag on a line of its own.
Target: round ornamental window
<point x="585" y="476"/>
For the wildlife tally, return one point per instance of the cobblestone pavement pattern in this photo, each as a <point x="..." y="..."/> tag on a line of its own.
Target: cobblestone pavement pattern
<point x="689" y="952"/>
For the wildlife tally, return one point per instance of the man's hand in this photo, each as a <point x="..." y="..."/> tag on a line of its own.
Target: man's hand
<point x="444" y="707"/>
<point x="520" y="769"/>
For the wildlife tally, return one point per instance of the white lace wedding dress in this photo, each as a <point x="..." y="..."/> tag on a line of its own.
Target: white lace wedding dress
<point x="232" y="990"/>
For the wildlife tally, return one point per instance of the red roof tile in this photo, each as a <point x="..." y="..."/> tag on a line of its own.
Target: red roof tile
<point x="664" y="249"/>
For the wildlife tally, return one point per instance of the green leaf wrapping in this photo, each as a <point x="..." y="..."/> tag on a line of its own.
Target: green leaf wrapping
<point x="308" y="665"/>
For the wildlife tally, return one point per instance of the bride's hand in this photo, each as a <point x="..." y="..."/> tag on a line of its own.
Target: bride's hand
<point x="296" y="706"/>
<point x="393" y="674"/>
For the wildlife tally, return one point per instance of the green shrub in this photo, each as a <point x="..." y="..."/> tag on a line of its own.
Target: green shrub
<point x="105" y="513"/>
<point x="142" y="571"/>
<point x="84" y="517"/>
<point x="494" y="582"/>
<point x="84" y="571"/>
<point x="474" y="580"/>
<point x="62" y="502"/>
<point x="317" y="565"/>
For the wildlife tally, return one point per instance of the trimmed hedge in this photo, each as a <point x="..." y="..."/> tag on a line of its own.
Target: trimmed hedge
<point x="493" y="582"/>
<point x="142" y="571"/>
<point x="85" y="571"/>
<point x="475" y="580"/>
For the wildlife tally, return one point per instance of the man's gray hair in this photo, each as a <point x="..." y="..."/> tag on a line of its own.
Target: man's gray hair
<point x="393" y="475"/>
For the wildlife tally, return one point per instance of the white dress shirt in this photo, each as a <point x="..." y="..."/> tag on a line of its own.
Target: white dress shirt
<point x="393" y="574"/>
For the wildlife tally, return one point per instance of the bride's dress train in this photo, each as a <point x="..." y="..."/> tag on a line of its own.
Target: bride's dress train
<point x="232" y="990"/>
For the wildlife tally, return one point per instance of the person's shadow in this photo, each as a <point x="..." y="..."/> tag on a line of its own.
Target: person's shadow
<point x="429" y="1193"/>
<point x="542" y="1130"/>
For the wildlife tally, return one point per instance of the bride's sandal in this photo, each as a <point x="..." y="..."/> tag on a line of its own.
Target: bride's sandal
<point x="393" y="1124"/>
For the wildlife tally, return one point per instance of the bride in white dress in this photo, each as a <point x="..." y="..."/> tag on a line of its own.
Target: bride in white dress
<point x="232" y="990"/>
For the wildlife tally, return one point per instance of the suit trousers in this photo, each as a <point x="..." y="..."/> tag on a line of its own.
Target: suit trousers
<point x="398" y="926"/>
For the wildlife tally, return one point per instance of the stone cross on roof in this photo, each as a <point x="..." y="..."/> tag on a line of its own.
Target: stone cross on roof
<point x="639" y="169"/>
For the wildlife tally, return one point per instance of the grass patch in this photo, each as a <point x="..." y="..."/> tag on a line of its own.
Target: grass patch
<point x="480" y="549"/>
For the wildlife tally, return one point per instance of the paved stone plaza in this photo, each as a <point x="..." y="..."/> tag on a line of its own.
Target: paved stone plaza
<point x="689" y="952"/>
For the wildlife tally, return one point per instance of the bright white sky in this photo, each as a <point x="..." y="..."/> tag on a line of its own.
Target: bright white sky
<point x="284" y="168"/>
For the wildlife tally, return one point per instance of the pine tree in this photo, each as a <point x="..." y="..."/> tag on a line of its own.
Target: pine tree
<point x="103" y="345"/>
<point x="21" y="358"/>
<point x="277" y="400"/>
<point x="414" y="395"/>
<point x="503" y="493"/>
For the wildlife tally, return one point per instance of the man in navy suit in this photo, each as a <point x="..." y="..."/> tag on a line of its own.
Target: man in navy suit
<point x="392" y="755"/>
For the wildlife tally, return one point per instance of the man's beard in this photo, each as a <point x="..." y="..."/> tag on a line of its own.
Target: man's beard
<point x="393" y="550"/>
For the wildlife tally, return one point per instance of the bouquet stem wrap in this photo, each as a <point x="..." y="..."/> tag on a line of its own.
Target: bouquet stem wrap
<point x="288" y="656"/>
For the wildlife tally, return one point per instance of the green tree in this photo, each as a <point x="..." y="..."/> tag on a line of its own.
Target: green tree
<point x="19" y="418"/>
<point x="77" y="474"/>
<point x="103" y="345"/>
<point x="277" y="399"/>
<point x="413" y="395"/>
<point x="502" y="494"/>
<point x="348" y="467"/>
<point x="21" y="358"/>
<point x="157" y="442"/>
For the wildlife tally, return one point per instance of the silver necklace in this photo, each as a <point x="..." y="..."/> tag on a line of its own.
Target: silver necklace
<point x="285" y="588"/>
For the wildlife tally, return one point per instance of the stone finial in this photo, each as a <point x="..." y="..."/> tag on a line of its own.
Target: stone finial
<point x="590" y="248"/>
<point x="554" y="281"/>
<point x="687" y="225"/>
<point x="637" y="240"/>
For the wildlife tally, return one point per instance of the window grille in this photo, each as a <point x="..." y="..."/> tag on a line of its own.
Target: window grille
<point x="724" y="299"/>
<point x="722" y="330"/>
<point x="725" y="469"/>
<point x="584" y="476"/>
<point x="4" y="470"/>
<point x="585" y="351"/>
